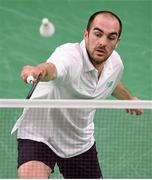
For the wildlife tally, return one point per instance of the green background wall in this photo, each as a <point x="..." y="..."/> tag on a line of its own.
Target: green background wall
<point x="21" y="44"/>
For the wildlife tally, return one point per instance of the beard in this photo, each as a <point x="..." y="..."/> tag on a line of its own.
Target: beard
<point x="97" y="60"/>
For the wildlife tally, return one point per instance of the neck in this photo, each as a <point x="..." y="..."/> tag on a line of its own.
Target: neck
<point x="100" y="69"/>
<point x="98" y="66"/>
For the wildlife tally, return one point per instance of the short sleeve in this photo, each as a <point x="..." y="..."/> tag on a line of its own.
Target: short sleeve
<point x="61" y="61"/>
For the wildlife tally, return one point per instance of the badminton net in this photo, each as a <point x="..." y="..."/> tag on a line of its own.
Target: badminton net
<point x="124" y="141"/>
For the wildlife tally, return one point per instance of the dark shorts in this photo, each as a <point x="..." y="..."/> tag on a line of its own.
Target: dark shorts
<point x="83" y="166"/>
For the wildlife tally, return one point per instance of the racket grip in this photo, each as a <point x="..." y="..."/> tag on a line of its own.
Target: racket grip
<point x="30" y="79"/>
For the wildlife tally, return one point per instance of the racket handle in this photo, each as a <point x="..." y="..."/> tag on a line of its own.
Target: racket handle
<point x="34" y="84"/>
<point x="30" y="79"/>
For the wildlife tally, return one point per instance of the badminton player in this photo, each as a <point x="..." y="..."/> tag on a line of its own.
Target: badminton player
<point x="91" y="69"/>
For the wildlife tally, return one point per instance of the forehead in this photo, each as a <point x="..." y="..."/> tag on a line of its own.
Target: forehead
<point x="106" y="22"/>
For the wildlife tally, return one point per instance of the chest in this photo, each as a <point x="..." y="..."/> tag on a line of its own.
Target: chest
<point x="88" y="85"/>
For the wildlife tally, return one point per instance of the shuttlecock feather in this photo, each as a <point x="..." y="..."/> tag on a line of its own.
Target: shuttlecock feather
<point x="47" y="28"/>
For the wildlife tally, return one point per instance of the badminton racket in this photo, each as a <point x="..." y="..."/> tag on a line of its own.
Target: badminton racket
<point x="34" y="84"/>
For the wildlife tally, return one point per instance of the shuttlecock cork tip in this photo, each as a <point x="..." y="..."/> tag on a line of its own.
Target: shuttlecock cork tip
<point x="45" y="21"/>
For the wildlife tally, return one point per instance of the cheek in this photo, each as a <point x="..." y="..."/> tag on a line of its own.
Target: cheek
<point x="91" y="47"/>
<point x="91" y="43"/>
<point x="111" y="47"/>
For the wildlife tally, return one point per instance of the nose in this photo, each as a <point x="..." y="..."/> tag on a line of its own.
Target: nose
<point x="103" y="41"/>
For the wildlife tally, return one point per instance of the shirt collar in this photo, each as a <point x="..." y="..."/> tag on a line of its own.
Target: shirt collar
<point x="88" y="66"/>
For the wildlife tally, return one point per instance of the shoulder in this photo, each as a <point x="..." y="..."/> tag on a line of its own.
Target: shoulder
<point x="115" y="56"/>
<point x="68" y="53"/>
<point x="116" y="60"/>
<point x="66" y="57"/>
<point x="70" y="48"/>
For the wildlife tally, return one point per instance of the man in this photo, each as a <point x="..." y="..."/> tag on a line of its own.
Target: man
<point x="91" y="69"/>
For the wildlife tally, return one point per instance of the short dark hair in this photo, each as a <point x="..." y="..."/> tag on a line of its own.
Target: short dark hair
<point x="92" y="17"/>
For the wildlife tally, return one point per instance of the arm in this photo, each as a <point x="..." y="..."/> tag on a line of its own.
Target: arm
<point x="121" y="93"/>
<point x="47" y="70"/>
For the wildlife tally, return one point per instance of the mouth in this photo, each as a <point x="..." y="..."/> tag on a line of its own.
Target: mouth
<point x="100" y="51"/>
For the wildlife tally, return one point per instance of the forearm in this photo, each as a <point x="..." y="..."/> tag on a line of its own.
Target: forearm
<point x="47" y="71"/>
<point x="122" y="93"/>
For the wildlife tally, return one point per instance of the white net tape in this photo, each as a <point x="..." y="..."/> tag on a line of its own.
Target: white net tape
<point x="108" y="104"/>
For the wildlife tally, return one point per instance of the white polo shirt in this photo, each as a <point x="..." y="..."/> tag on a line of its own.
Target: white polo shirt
<point x="69" y="132"/>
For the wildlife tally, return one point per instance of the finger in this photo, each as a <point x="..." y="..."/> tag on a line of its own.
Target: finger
<point x="139" y="112"/>
<point x="131" y="111"/>
<point x="127" y="110"/>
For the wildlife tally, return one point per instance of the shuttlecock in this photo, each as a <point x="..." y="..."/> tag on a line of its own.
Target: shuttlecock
<point x="47" y="28"/>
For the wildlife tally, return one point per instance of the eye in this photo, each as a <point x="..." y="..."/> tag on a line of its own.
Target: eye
<point x="112" y="37"/>
<point x="98" y="34"/>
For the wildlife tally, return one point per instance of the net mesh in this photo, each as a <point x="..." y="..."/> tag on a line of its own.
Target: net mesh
<point x="124" y="142"/>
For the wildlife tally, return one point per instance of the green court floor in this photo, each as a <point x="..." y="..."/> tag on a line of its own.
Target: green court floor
<point x="124" y="142"/>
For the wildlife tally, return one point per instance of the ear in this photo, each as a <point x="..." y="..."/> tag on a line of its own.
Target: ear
<point x="85" y="34"/>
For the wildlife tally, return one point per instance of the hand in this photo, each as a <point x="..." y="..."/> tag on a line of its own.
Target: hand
<point x="30" y="71"/>
<point x="137" y="112"/>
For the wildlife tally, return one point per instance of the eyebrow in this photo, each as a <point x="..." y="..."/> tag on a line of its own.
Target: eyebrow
<point x="112" y="33"/>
